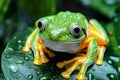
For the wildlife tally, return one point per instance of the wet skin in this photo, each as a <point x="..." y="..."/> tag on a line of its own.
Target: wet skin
<point x="66" y="27"/>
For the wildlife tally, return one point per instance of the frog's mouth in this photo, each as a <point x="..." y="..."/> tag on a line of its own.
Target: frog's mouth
<point x="69" y="46"/>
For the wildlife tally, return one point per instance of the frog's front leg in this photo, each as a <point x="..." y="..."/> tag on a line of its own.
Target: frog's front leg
<point x="83" y="61"/>
<point x="34" y="42"/>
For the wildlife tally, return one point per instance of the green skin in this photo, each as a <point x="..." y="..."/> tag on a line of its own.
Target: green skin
<point x="58" y="27"/>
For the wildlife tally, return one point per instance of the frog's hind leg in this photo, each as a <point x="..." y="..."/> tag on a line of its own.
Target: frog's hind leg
<point x="75" y="63"/>
<point x="91" y="57"/>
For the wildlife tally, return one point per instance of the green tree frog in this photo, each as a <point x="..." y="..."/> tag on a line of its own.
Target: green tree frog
<point x="68" y="32"/>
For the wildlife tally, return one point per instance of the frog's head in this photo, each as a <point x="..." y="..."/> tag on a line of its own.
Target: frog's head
<point x="65" y="26"/>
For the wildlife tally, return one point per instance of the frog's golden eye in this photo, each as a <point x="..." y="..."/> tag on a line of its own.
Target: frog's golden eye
<point x="41" y="25"/>
<point x="75" y="30"/>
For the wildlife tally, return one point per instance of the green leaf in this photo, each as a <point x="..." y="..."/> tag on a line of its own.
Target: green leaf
<point x="17" y="65"/>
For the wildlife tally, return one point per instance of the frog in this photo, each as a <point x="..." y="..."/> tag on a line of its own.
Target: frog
<point x="68" y="32"/>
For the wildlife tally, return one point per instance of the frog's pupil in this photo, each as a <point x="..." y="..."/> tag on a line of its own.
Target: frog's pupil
<point x="76" y="30"/>
<point x="40" y="24"/>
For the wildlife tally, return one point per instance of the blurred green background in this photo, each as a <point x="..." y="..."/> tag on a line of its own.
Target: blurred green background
<point x="17" y="15"/>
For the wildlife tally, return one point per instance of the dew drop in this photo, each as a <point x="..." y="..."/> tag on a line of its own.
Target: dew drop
<point x="19" y="62"/>
<point x="43" y="78"/>
<point x="7" y="56"/>
<point x="30" y="76"/>
<point x="90" y="76"/>
<point x="37" y="72"/>
<point x="26" y="58"/>
<point x="111" y="76"/>
<point x="13" y="67"/>
<point x="19" y="41"/>
<point x="10" y="49"/>
<point x="20" y="46"/>
<point x="110" y="62"/>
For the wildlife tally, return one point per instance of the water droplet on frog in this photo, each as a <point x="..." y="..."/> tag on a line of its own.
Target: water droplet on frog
<point x="19" y="62"/>
<point x="10" y="49"/>
<point x="111" y="76"/>
<point x="13" y="67"/>
<point x="110" y="2"/>
<point x="43" y="78"/>
<point x="7" y="56"/>
<point x="30" y="76"/>
<point x="26" y="58"/>
<point x="19" y="41"/>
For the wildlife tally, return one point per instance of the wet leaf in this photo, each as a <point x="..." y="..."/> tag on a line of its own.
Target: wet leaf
<point x="17" y="65"/>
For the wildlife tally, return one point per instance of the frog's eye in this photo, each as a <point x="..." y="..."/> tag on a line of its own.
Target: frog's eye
<point x="75" y="29"/>
<point x="41" y="25"/>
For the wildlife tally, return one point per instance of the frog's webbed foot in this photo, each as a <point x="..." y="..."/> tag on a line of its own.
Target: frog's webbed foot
<point x="75" y="62"/>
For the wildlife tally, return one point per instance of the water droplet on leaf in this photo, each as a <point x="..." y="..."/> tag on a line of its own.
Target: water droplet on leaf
<point x="37" y="72"/>
<point x="26" y="58"/>
<point x="30" y="76"/>
<point x="19" y="41"/>
<point x="110" y="62"/>
<point x="7" y="56"/>
<point x="43" y="78"/>
<point x="111" y="76"/>
<point x="13" y="67"/>
<point x="90" y="76"/>
<point x="19" y="62"/>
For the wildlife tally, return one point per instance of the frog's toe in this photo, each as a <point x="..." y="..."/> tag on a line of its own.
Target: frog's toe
<point x="26" y="49"/>
<point x="80" y="76"/>
<point x="65" y="74"/>
<point x="99" y="62"/>
<point x="37" y="61"/>
<point x="60" y="65"/>
<point x="45" y="60"/>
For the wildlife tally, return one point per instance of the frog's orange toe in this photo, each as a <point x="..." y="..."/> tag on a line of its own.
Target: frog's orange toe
<point x="25" y="49"/>
<point x="45" y="60"/>
<point x="37" y="62"/>
<point x="65" y="74"/>
<point x="60" y="65"/>
<point x="99" y="62"/>
<point x="80" y="76"/>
